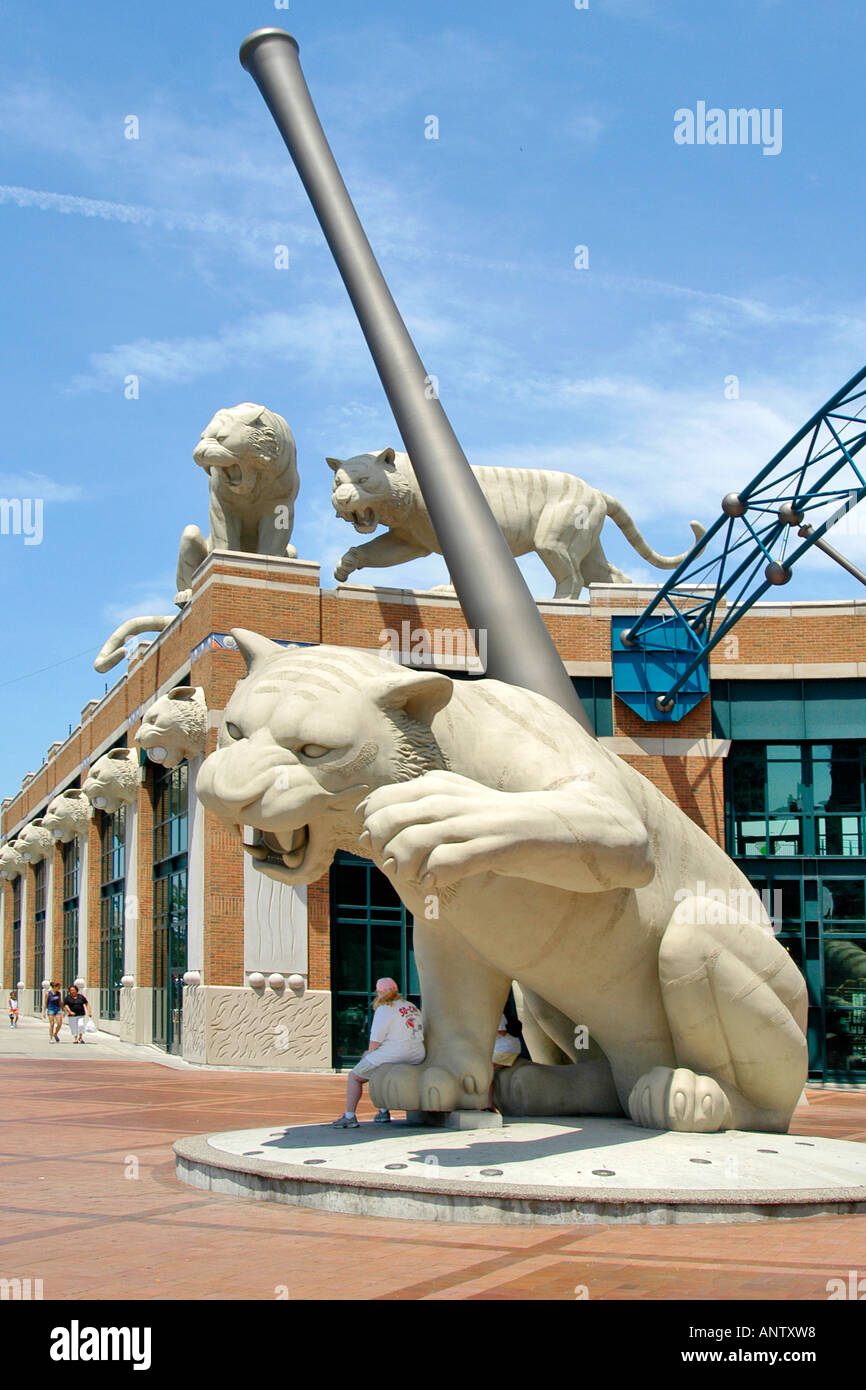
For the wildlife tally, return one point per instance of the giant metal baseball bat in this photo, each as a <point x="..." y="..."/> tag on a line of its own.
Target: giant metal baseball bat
<point x="489" y="585"/>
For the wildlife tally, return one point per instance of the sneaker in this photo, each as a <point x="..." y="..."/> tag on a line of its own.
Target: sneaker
<point x="383" y="1118"/>
<point x="344" y="1123"/>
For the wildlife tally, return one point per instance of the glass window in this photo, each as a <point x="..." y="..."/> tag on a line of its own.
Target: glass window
<point x="170" y="829"/>
<point x="16" y="932"/>
<point x="845" y="1004"/>
<point x="112" y="907"/>
<point x="788" y="800"/>
<point x="748" y="777"/>
<point x="71" y="870"/>
<point x="843" y="900"/>
<point x="371" y="936"/>
<point x="40" y="879"/>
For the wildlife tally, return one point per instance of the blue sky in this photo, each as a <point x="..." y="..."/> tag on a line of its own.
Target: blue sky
<point x="155" y="257"/>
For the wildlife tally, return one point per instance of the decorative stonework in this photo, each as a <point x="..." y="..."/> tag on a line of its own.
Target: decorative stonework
<point x="269" y="1029"/>
<point x="113" y="780"/>
<point x="194" y="1024"/>
<point x="34" y="842"/>
<point x="175" y="726"/>
<point x="11" y="862"/>
<point x="275" y="924"/>
<point x="127" y="1010"/>
<point x="67" y="815"/>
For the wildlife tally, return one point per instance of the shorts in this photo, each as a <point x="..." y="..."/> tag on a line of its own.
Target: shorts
<point x="52" y="1013"/>
<point x="413" y="1056"/>
<point x="76" y="1023"/>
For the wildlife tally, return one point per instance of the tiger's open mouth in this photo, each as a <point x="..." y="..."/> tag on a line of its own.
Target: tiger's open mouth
<point x="233" y="473"/>
<point x="267" y="849"/>
<point x="364" y="521"/>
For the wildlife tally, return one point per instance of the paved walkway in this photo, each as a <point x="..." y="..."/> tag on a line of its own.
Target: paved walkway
<point x="86" y="1165"/>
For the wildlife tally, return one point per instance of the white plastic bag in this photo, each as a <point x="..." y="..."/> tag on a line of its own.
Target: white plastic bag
<point x="90" y="1026"/>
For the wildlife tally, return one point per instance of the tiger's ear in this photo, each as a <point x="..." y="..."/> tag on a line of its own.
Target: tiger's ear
<point x="334" y="463"/>
<point x="386" y="457"/>
<point x="420" y="693"/>
<point x="254" y="648"/>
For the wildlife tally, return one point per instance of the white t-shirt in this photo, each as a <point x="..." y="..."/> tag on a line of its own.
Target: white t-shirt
<point x="399" y="1022"/>
<point x="507" y="1044"/>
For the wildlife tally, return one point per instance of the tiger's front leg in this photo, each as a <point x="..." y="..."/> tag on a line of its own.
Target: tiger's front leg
<point x="463" y="999"/>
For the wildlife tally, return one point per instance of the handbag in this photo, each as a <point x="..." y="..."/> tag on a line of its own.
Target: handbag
<point x="90" y="1026"/>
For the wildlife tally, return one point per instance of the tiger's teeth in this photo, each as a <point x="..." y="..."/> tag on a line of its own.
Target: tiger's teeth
<point x="295" y="859"/>
<point x="257" y="851"/>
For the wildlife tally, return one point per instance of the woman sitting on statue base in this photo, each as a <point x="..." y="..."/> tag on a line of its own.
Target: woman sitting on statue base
<point x="397" y="1035"/>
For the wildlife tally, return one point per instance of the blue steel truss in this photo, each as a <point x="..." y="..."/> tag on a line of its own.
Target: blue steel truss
<point x="809" y="485"/>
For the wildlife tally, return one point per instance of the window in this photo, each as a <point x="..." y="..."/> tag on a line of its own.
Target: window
<point x="371" y="937"/>
<point x="171" y="791"/>
<point x="112" y="906"/>
<point x="71" y="865"/>
<point x="796" y="799"/>
<point x="40" y="879"/>
<point x="16" y="932"/>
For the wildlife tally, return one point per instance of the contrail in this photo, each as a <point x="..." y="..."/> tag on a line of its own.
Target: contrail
<point x="137" y="215"/>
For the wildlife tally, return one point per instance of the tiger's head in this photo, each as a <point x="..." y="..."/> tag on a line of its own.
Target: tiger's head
<point x="11" y="862"/>
<point x="246" y="449"/>
<point x="305" y="737"/>
<point x="373" y="489"/>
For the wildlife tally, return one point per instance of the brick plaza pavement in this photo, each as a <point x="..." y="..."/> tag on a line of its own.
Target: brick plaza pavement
<point x="90" y="1205"/>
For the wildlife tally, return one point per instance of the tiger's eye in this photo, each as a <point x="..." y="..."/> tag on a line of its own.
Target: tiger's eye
<point x="313" y="750"/>
<point x="233" y="731"/>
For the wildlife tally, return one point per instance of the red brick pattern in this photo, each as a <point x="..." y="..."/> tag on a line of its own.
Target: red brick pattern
<point x="147" y="1236"/>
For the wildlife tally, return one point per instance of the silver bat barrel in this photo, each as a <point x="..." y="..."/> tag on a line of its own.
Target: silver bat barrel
<point x="489" y="585"/>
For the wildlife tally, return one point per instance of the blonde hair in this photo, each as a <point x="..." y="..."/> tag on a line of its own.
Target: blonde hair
<point x="387" y="998"/>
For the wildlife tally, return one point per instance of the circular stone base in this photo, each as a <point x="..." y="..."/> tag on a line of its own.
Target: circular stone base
<point x="532" y="1171"/>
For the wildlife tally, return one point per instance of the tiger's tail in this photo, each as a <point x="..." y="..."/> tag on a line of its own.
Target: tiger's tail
<point x="620" y="517"/>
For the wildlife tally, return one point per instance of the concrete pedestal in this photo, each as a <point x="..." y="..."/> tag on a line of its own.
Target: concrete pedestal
<point x="533" y="1172"/>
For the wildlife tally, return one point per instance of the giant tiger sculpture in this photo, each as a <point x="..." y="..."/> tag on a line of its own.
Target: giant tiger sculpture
<point x="249" y="455"/>
<point x="555" y="514"/>
<point x="531" y="853"/>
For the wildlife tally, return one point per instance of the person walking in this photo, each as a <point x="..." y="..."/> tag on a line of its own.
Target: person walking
<point x="77" y="1013"/>
<point x="52" y="1009"/>
<point x="13" y="1009"/>
<point x="397" y="1035"/>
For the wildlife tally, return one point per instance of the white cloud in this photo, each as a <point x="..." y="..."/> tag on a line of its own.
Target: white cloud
<point x="314" y="337"/>
<point x="38" y="485"/>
